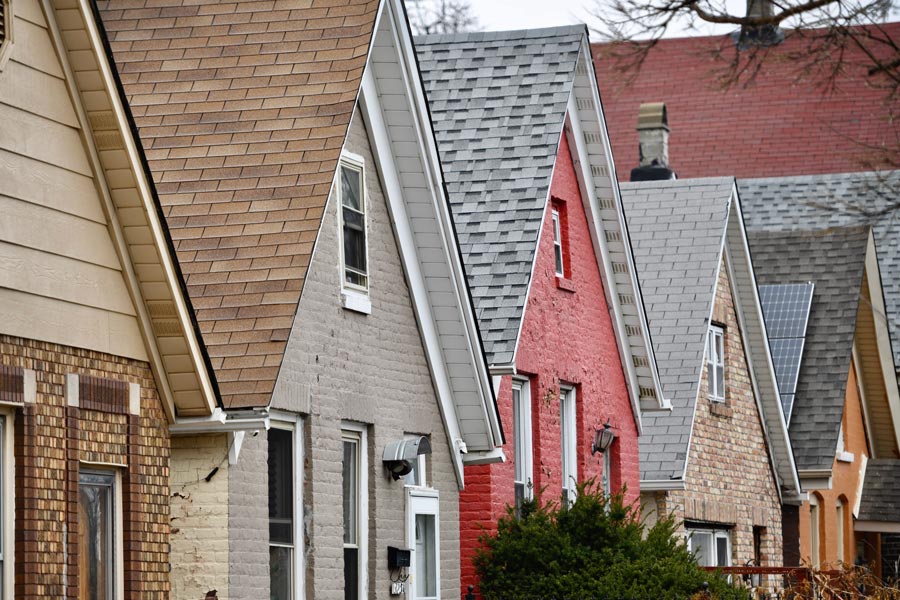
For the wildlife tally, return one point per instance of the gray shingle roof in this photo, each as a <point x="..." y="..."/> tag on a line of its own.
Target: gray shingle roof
<point x="498" y="102"/>
<point x="833" y="259"/>
<point x="821" y="201"/>
<point x="677" y="229"/>
<point x="880" y="500"/>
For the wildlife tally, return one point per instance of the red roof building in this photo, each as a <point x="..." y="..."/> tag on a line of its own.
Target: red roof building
<point x="781" y="123"/>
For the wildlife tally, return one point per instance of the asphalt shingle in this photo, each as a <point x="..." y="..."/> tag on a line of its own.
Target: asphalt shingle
<point x="498" y="102"/>
<point x="241" y="110"/>
<point x="677" y="229"/>
<point x="834" y="260"/>
<point x="880" y="500"/>
<point x="823" y="201"/>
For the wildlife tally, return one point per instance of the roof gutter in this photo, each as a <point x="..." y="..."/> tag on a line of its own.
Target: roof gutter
<point x="221" y="421"/>
<point x="661" y="485"/>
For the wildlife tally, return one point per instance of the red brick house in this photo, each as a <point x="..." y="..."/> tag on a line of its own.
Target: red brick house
<point x="542" y="232"/>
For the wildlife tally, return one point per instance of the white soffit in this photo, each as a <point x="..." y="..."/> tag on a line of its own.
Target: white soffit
<point x="405" y="153"/>
<point x="590" y="141"/>
<point x="176" y="357"/>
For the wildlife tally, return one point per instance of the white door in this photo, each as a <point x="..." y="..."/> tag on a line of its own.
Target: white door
<point x="424" y="538"/>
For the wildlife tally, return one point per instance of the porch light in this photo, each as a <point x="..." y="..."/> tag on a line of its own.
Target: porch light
<point x="400" y="456"/>
<point x="603" y="439"/>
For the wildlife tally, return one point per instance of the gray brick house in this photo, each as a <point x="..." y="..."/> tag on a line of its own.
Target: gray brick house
<point x="292" y="154"/>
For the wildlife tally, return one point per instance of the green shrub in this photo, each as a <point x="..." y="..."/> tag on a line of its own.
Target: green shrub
<point x="593" y="549"/>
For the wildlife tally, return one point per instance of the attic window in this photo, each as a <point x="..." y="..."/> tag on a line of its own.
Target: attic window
<point x="715" y="363"/>
<point x="6" y="37"/>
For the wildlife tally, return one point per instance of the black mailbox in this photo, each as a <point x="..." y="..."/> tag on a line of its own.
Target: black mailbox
<point x="398" y="558"/>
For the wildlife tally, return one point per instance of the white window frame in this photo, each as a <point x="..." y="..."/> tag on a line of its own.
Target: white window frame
<point x="522" y="437"/>
<point x="715" y="357"/>
<point x="118" y="524"/>
<point x="294" y="424"/>
<point x="839" y="516"/>
<point x="716" y="534"/>
<point x="357" y="432"/>
<point x="7" y="506"/>
<point x="568" y="433"/>
<point x="557" y="244"/>
<point x="815" y="512"/>
<point x="354" y="297"/>
<point x="6" y="40"/>
<point x="422" y="501"/>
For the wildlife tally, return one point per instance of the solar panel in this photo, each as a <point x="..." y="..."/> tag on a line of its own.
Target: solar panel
<point x="786" y="312"/>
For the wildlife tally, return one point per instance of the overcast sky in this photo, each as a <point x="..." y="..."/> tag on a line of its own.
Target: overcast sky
<point x="494" y="15"/>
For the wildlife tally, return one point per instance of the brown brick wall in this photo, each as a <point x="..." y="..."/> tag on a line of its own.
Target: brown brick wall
<point x="53" y="439"/>
<point x="729" y="476"/>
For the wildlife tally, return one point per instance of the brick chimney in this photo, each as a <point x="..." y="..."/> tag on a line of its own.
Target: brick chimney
<point x="653" y="140"/>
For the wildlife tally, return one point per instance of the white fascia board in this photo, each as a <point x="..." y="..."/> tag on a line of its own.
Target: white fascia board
<point x="709" y="316"/>
<point x="434" y="174"/>
<point x="863" y="402"/>
<point x="381" y="148"/>
<point x="882" y="335"/>
<point x="815" y="479"/>
<point x="863" y="467"/>
<point x="591" y="206"/>
<point x="662" y="485"/>
<point x="772" y="423"/>
<point x="378" y="127"/>
<point x="876" y="526"/>
<point x="149" y="204"/>
<point x="623" y="223"/>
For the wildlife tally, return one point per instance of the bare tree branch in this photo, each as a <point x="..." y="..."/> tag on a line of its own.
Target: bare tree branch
<point x="441" y="16"/>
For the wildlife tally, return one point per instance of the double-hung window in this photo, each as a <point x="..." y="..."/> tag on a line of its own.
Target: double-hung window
<point x="712" y="546"/>
<point x="715" y="363"/>
<point x="355" y="513"/>
<point x="522" y="442"/>
<point x="284" y="487"/>
<point x="352" y="192"/>
<point x="97" y="536"/>
<point x="557" y="243"/>
<point x="568" y="439"/>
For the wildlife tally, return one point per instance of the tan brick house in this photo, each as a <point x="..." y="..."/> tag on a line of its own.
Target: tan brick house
<point x="292" y="153"/>
<point x="720" y="460"/>
<point x="98" y="352"/>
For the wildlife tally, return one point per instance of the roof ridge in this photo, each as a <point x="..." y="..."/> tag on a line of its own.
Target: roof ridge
<point x="511" y="34"/>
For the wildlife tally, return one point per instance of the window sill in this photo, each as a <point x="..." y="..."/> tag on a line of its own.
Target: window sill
<point x="565" y="284"/>
<point x="720" y="409"/>
<point x="846" y="457"/>
<point x="356" y="301"/>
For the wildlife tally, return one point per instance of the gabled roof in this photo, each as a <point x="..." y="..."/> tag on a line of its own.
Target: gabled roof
<point x="834" y="260"/>
<point x="499" y="101"/>
<point x="780" y="124"/>
<point x="823" y="201"/>
<point x="683" y="231"/>
<point x="241" y="110"/>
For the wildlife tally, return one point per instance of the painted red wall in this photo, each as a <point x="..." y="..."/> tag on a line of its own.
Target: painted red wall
<point x="566" y="336"/>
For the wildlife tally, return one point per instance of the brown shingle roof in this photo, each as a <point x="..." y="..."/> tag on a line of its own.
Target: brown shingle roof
<point x="242" y="109"/>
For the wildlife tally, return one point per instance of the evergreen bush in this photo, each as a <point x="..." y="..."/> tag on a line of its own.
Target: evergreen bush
<point x="596" y="548"/>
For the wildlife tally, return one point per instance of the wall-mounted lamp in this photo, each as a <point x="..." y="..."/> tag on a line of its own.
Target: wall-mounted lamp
<point x="399" y="457"/>
<point x="603" y="439"/>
